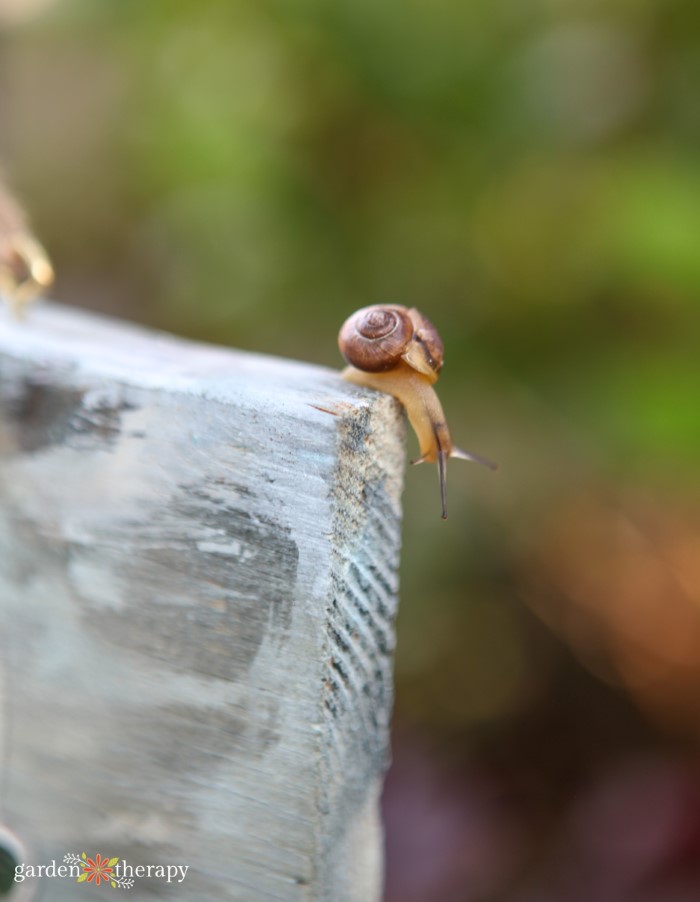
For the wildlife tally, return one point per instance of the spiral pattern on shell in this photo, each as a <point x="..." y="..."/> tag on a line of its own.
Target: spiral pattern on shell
<point x="375" y="339"/>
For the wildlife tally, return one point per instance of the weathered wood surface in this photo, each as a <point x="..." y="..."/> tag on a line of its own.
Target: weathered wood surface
<point x="198" y="578"/>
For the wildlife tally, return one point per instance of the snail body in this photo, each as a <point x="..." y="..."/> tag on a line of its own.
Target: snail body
<point x="397" y="350"/>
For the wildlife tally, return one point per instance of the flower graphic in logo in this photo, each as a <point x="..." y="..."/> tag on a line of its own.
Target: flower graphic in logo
<point x="97" y="869"/>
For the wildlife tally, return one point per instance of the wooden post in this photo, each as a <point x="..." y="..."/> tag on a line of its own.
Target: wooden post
<point x="198" y="581"/>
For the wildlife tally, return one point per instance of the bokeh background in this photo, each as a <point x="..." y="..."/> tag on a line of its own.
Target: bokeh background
<point x="527" y="174"/>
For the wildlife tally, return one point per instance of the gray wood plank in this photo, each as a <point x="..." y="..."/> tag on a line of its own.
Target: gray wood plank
<point x="198" y="582"/>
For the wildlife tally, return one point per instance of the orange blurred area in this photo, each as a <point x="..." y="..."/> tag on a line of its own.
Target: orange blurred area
<point x="619" y="582"/>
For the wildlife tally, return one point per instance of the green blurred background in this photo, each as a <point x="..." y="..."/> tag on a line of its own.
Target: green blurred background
<point x="526" y="174"/>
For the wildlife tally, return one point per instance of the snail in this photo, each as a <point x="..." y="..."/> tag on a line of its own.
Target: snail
<point x="25" y="270"/>
<point x="397" y="350"/>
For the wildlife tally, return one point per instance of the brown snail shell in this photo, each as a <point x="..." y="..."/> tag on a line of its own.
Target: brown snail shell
<point x="375" y="339"/>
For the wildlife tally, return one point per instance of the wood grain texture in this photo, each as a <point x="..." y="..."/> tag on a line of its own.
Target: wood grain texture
<point x="198" y="581"/>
